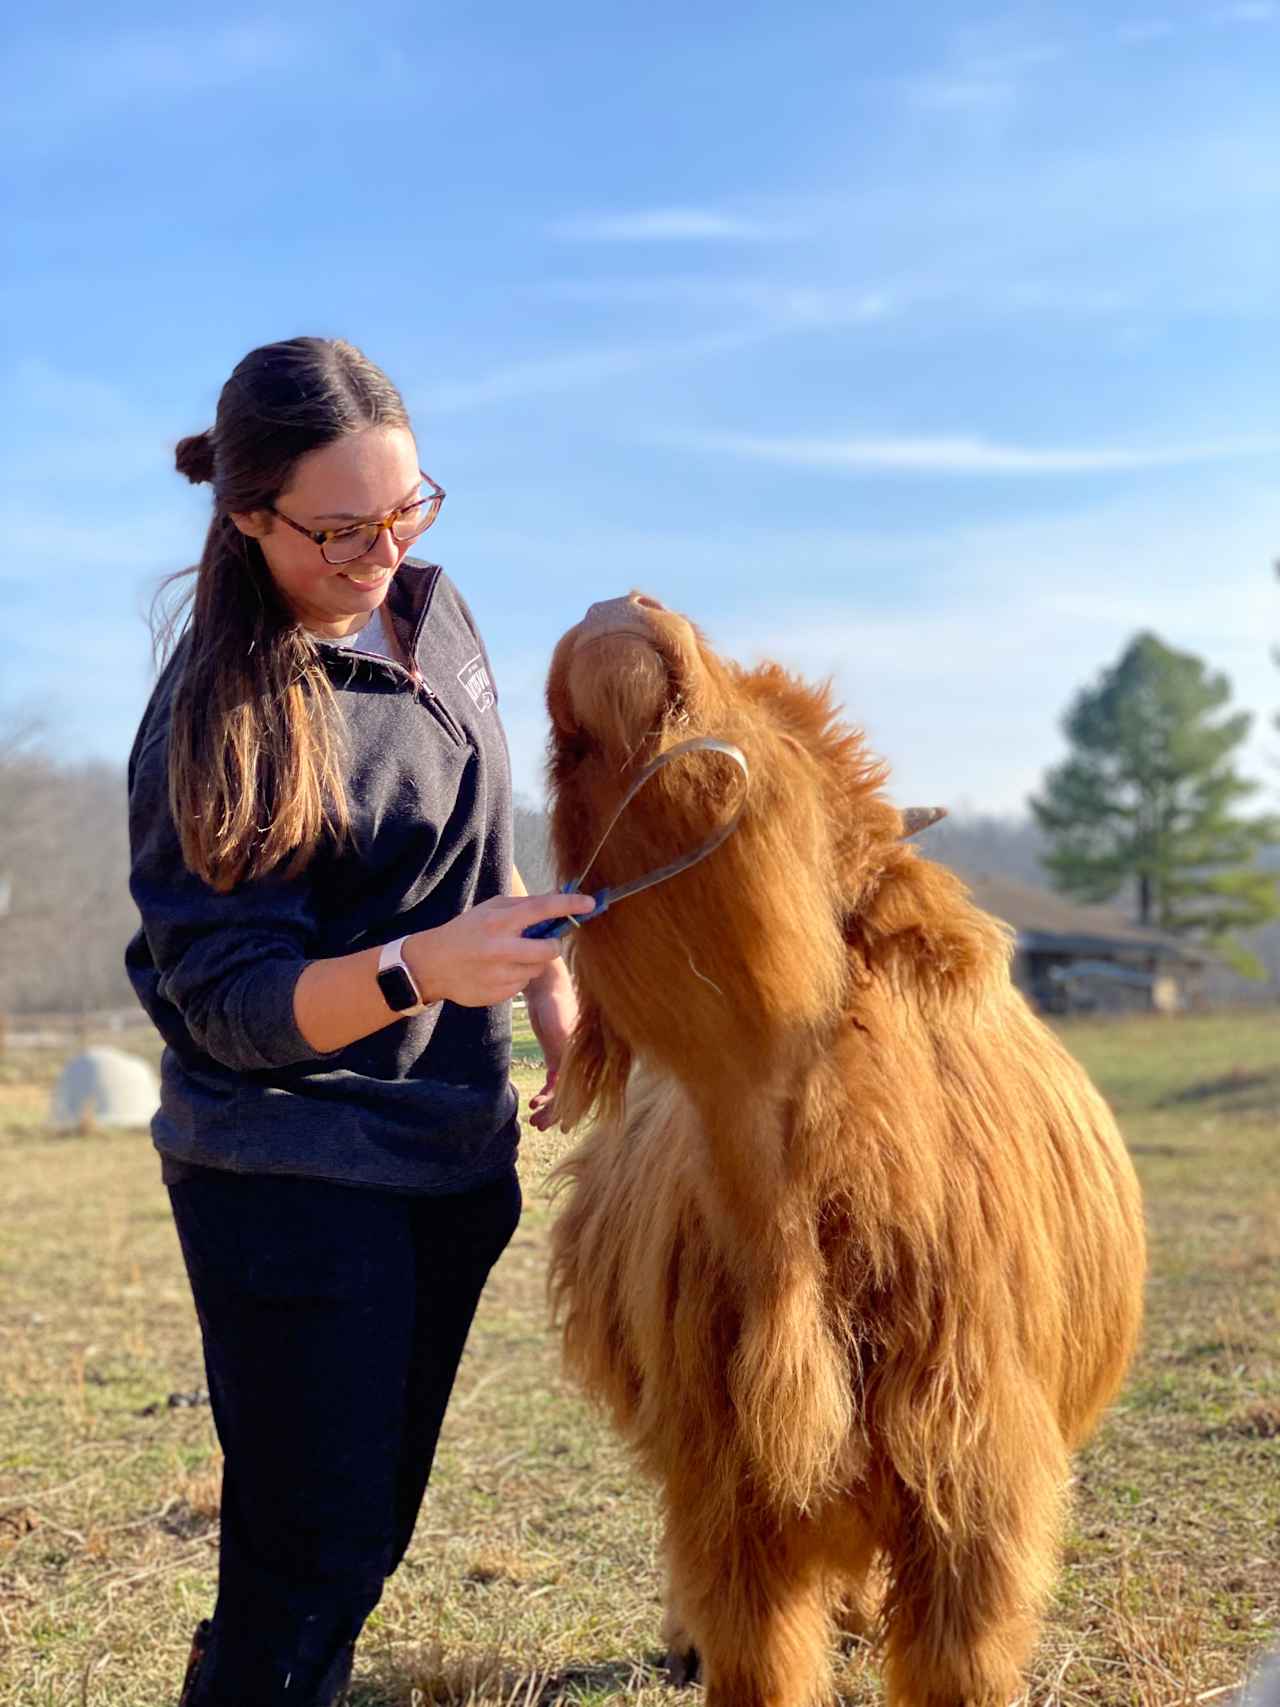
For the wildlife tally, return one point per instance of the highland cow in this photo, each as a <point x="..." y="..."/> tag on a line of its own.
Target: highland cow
<point x="854" y="1251"/>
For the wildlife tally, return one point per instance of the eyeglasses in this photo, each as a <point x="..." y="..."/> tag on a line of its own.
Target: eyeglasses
<point x="344" y="545"/>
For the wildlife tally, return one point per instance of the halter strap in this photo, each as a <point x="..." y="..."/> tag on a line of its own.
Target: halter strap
<point x="605" y="898"/>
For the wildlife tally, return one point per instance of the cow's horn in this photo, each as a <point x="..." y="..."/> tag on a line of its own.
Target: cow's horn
<point x="917" y="818"/>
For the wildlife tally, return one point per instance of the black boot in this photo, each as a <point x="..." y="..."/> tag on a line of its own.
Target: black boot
<point x="199" y="1645"/>
<point x="330" y="1692"/>
<point x="333" y="1685"/>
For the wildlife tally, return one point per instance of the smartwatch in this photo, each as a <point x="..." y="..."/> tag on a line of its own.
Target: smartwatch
<point x="399" y="989"/>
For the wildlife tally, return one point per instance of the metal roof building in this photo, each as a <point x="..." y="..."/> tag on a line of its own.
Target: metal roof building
<point x="1074" y="958"/>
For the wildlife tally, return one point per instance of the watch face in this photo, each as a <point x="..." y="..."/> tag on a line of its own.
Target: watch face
<point x="397" y="989"/>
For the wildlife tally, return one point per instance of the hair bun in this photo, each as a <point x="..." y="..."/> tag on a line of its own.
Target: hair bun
<point x="194" y="458"/>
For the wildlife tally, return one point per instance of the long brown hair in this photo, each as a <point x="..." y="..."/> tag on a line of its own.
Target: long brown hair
<point x="255" y="781"/>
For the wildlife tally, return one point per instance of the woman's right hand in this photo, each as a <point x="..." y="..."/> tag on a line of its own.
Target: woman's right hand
<point x="481" y="958"/>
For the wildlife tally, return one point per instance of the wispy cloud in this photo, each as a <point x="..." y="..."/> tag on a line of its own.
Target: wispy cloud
<point x="771" y="300"/>
<point x="765" y="312"/>
<point x="994" y="287"/>
<point x="671" y="225"/>
<point x="573" y="370"/>
<point x="971" y="456"/>
<point x="941" y="92"/>
<point x="980" y="81"/>
<point x="1250" y="12"/>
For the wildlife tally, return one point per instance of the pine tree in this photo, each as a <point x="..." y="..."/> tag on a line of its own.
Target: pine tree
<point x="1149" y="798"/>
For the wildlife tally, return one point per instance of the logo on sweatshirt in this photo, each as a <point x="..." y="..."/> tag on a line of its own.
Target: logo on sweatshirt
<point x="475" y="678"/>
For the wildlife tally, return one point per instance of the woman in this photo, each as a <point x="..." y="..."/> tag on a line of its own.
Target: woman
<point x="320" y="825"/>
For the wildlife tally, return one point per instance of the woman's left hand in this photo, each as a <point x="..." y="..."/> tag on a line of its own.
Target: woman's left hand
<point x="553" y="1013"/>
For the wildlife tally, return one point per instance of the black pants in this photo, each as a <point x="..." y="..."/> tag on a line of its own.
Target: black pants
<point x="333" y="1320"/>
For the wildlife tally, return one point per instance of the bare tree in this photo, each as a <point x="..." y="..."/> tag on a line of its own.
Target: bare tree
<point x="532" y="853"/>
<point x="64" y="859"/>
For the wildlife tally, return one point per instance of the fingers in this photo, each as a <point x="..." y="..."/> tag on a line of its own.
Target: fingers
<point x="481" y="956"/>
<point x="520" y="956"/>
<point x="542" y="1106"/>
<point x="507" y="917"/>
<point x="533" y="909"/>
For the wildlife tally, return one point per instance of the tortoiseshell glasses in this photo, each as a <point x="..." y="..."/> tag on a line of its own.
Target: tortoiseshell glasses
<point x="346" y="544"/>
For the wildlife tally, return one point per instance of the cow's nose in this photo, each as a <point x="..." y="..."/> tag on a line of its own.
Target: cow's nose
<point x="624" y="613"/>
<point x="603" y="610"/>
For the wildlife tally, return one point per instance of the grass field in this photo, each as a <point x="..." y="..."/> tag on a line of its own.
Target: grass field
<point x="532" y="1576"/>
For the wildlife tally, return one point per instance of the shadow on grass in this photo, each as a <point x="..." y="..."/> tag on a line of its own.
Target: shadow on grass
<point x="1259" y="1422"/>
<point x="608" y="1678"/>
<point x="493" y="1683"/>
<point x="1235" y="1092"/>
<point x="1167" y="1152"/>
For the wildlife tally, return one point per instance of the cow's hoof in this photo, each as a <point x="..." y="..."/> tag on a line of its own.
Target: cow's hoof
<point x="682" y="1666"/>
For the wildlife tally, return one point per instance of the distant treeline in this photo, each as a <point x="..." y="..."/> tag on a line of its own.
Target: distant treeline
<point x="64" y="863"/>
<point x="64" y="877"/>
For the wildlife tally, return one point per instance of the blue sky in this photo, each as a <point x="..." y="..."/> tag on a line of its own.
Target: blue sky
<point x="930" y="348"/>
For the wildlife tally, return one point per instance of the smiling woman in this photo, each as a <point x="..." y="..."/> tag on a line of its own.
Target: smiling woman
<point x="320" y="824"/>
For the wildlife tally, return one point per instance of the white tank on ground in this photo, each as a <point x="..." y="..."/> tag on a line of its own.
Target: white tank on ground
<point x="1265" y="1688"/>
<point x="104" y="1087"/>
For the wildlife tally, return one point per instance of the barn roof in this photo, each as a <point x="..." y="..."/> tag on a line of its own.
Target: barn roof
<point x="1050" y="923"/>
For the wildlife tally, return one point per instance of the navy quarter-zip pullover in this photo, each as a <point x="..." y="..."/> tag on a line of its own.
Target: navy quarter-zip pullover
<point x="425" y="1104"/>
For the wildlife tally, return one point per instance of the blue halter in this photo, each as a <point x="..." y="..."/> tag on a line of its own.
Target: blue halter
<point x="609" y="896"/>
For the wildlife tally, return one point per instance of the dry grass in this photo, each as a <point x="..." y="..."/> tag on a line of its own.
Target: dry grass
<point x="533" y="1577"/>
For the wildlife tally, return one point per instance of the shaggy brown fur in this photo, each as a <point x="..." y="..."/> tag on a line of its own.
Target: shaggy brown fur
<point x="854" y="1253"/>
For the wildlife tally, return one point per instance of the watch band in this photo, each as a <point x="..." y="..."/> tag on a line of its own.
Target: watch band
<point x="399" y="988"/>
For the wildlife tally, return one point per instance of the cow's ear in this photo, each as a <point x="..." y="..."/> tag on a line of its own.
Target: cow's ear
<point x="596" y="1068"/>
<point x="922" y="921"/>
